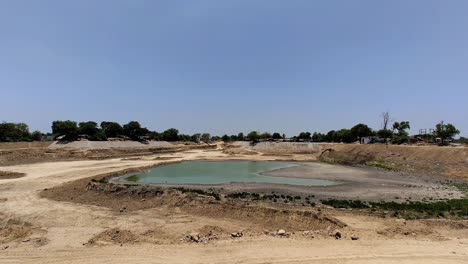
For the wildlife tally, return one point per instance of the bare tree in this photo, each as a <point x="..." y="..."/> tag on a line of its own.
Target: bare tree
<point x="386" y="119"/>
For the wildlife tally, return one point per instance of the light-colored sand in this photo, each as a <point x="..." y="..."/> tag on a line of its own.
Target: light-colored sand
<point x="110" y="144"/>
<point x="67" y="226"/>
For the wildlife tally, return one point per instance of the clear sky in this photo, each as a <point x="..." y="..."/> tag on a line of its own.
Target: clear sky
<point x="224" y="66"/>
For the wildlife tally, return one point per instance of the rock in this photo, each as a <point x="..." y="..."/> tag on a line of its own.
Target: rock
<point x="337" y="234"/>
<point x="281" y="232"/>
<point x="306" y="233"/>
<point x="354" y="237"/>
<point x="195" y="237"/>
<point x="237" y="234"/>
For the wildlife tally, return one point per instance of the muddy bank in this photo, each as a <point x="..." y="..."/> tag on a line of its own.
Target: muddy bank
<point x="352" y="183"/>
<point x="424" y="160"/>
<point x="126" y="198"/>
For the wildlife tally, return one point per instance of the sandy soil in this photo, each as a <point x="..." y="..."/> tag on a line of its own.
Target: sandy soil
<point x="49" y="231"/>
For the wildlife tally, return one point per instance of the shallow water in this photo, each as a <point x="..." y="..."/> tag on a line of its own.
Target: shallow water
<point x="219" y="172"/>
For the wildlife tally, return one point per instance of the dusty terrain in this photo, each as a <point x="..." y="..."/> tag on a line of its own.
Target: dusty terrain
<point x="41" y="223"/>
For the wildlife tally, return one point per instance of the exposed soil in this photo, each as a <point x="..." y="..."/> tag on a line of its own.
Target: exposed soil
<point x="10" y="175"/>
<point x="178" y="227"/>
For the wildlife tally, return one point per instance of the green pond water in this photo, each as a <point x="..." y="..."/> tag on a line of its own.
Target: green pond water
<point x="219" y="172"/>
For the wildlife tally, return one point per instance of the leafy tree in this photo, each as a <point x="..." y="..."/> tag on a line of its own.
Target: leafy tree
<point x="225" y="138"/>
<point x="276" y="136"/>
<point x="385" y="134"/>
<point x="360" y="130"/>
<point x="183" y="137"/>
<point x="171" y="134"/>
<point x="205" y="137"/>
<point x="36" y="135"/>
<point x="153" y="135"/>
<point x="134" y="130"/>
<point x="304" y="136"/>
<point x="233" y="138"/>
<point x="14" y="132"/>
<point x="89" y="128"/>
<point x="111" y="129"/>
<point x="401" y="135"/>
<point x="318" y="137"/>
<point x="344" y="135"/>
<point x="265" y="135"/>
<point x="331" y="137"/>
<point x="253" y="135"/>
<point x="445" y="131"/>
<point x="67" y="128"/>
<point x="240" y="136"/>
<point x="195" y="137"/>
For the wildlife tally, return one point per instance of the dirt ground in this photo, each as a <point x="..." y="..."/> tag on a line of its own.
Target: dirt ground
<point x="174" y="228"/>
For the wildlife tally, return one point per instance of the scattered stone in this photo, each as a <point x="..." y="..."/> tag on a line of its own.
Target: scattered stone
<point x="142" y="200"/>
<point x="195" y="237"/>
<point x="337" y="234"/>
<point x="5" y="247"/>
<point x="281" y="232"/>
<point x="354" y="237"/>
<point x="306" y="233"/>
<point x="26" y="240"/>
<point x="237" y="234"/>
<point x="123" y="209"/>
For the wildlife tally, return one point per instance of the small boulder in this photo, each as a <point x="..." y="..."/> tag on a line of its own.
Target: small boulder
<point x="337" y="234"/>
<point x="354" y="237"/>
<point x="237" y="234"/>
<point x="195" y="237"/>
<point x="281" y="232"/>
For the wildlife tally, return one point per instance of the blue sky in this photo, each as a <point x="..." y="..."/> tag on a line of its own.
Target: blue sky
<point x="230" y="66"/>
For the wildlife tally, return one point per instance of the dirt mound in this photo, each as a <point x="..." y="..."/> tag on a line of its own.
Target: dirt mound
<point x="10" y="175"/>
<point x="432" y="160"/>
<point x="125" y="198"/>
<point x="114" y="236"/>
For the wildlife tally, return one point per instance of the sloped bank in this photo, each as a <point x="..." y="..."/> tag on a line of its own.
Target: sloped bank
<point x="122" y="198"/>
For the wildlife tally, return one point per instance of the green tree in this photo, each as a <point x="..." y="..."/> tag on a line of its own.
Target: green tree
<point x="14" y="132"/>
<point x="344" y="135"/>
<point x="195" y="137"/>
<point x="401" y="135"/>
<point x="445" y="131"/>
<point x="385" y="134"/>
<point x="225" y="138"/>
<point x="240" y="136"/>
<point x="359" y="131"/>
<point x="153" y="135"/>
<point x="134" y="131"/>
<point x="67" y="128"/>
<point x="205" y="137"/>
<point x="331" y="137"/>
<point x="318" y="137"/>
<point x="111" y="129"/>
<point x="276" y="135"/>
<point x="265" y="135"/>
<point x="36" y="135"/>
<point x="89" y="128"/>
<point x="305" y="136"/>
<point x="253" y="135"/>
<point x="170" y="134"/>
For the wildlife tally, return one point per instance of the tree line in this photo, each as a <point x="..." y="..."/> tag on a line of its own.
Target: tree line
<point x="70" y="130"/>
